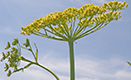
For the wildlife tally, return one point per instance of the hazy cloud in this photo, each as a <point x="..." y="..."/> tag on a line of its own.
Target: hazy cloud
<point x="113" y="69"/>
<point x="86" y="69"/>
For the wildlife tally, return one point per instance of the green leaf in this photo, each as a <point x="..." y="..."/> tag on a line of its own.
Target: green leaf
<point x="129" y="63"/>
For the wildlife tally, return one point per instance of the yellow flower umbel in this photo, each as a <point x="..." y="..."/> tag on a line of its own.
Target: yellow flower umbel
<point x="73" y="23"/>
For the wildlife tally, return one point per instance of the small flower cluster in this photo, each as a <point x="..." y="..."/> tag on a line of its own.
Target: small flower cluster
<point x="107" y="13"/>
<point x="64" y="22"/>
<point x="115" y="5"/>
<point x="12" y="56"/>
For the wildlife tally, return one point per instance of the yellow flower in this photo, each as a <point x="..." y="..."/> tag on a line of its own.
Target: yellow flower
<point x="69" y="27"/>
<point x="89" y="15"/>
<point x="127" y="5"/>
<point x="22" y="33"/>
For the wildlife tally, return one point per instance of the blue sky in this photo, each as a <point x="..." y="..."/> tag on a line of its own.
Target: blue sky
<point x="99" y="56"/>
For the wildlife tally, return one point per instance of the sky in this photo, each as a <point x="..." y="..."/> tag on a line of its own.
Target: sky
<point x="102" y="55"/>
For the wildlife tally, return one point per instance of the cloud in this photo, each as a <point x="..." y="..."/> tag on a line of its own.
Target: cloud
<point x="86" y="69"/>
<point x="37" y="74"/>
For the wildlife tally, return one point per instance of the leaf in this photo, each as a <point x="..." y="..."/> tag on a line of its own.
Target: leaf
<point x="129" y="63"/>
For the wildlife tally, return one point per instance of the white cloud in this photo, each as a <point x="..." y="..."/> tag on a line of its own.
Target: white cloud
<point x="86" y="69"/>
<point x="123" y="73"/>
<point x="37" y="74"/>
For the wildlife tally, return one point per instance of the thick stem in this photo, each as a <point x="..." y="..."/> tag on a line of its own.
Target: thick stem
<point x="72" y="64"/>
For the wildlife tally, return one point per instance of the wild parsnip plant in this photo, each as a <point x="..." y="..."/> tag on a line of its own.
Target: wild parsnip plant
<point x="68" y="25"/>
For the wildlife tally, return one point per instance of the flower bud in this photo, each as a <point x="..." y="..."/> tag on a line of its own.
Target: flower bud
<point x="6" y="67"/>
<point x="8" y="45"/>
<point x="124" y="2"/>
<point x="9" y="73"/>
<point x="69" y="28"/>
<point x="3" y="58"/>
<point x="27" y="43"/>
<point x="7" y="54"/>
<point x="15" y="42"/>
<point x="22" y="33"/>
<point x="127" y="5"/>
<point x="3" y="55"/>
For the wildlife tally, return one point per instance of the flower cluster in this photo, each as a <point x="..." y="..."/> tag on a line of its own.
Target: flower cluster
<point x="89" y="15"/>
<point x="12" y="56"/>
<point x="115" y="5"/>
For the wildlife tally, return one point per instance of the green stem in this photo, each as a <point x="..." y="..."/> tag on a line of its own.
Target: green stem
<point x="57" y="78"/>
<point x="72" y="67"/>
<point x="48" y="70"/>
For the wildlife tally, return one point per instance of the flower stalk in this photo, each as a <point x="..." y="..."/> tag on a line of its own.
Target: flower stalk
<point x="72" y="60"/>
<point x="45" y="68"/>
